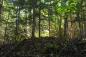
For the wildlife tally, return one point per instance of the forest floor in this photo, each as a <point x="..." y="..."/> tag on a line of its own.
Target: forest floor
<point x="46" y="47"/>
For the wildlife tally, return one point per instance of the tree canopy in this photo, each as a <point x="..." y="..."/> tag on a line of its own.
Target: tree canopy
<point x="23" y="19"/>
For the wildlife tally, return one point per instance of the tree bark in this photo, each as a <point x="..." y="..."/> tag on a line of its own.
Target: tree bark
<point x="17" y="23"/>
<point x="65" y="26"/>
<point x="49" y="18"/>
<point x="33" y="21"/>
<point x="1" y="3"/>
<point x="60" y="22"/>
<point x="39" y="20"/>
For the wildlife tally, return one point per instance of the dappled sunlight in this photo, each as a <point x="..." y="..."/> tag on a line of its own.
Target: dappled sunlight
<point x="42" y="28"/>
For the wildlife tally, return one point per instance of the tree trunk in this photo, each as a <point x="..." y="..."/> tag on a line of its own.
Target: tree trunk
<point x="60" y="22"/>
<point x="1" y="3"/>
<point x="39" y="20"/>
<point x="17" y="23"/>
<point x="49" y="18"/>
<point x="33" y="21"/>
<point x="78" y="18"/>
<point x="5" y="34"/>
<point x="65" y="27"/>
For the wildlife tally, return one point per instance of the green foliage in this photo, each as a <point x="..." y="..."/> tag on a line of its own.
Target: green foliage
<point x="67" y="6"/>
<point x="53" y="11"/>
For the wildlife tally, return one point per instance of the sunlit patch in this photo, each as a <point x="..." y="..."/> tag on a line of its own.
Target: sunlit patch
<point x="45" y="33"/>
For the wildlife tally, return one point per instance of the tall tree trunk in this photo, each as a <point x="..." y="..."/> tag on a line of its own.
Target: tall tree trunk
<point x="84" y="17"/>
<point x="33" y="21"/>
<point x="17" y="23"/>
<point x="78" y="19"/>
<point x="5" y="34"/>
<point x="39" y="19"/>
<point x="65" y="27"/>
<point x="60" y="22"/>
<point x="1" y="3"/>
<point x="56" y="27"/>
<point x="79" y="5"/>
<point x="26" y="25"/>
<point x="49" y="18"/>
